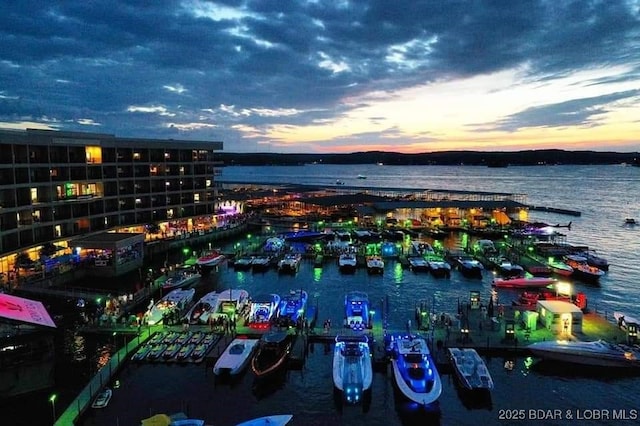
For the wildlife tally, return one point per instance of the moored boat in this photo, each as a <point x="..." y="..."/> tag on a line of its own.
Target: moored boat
<point x="470" y="369"/>
<point x="272" y="354"/>
<point x="210" y="259"/>
<point x="582" y="270"/>
<point x="597" y="353"/>
<point x="103" y="398"/>
<point x="262" y="310"/>
<point x="623" y="320"/>
<point x="180" y="277"/>
<point x="352" y="367"/>
<point x="275" y="420"/>
<point x="523" y="282"/>
<point x="205" y="307"/>
<point x="414" y="369"/>
<point x="418" y="264"/>
<point x="173" y="302"/>
<point x="375" y="264"/>
<point x="356" y="311"/>
<point x="242" y="263"/>
<point x="292" y="308"/>
<point x="260" y="263"/>
<point x="347" y="263"/>
<point x="289" y="263"/>
<point x="235" y="357"/>
<point x="185" y="351"/>
<point x="468" y="266"/>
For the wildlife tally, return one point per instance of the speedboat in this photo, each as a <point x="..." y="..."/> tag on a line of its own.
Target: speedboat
<point x="262" y="310"/>
<point x="597" y="353"/>
<point x="347" y="263"/>
<point x="352" y="368"/>
<point x="375" y="265"/>
<point x="210" y="259"/>
<point x="438" y="267"/>
<point x="180" y="278"/>
<point x="260" y="263"/>
<point x="235" y="357"/>
<point x="232" y="302"/>
<point x="630" y="221"/>
<point x="103" y="398"/>
<point x="362" y="177"/>
<point x="141" y="353"/>
<point x="242" y="263"/>
<point x="173" y="302"/>
<point x="469" y="267"/>
<point x="292" y="307"/>
<point x="289" y="263"/>
<point x="272" y="354"/>
<point x="356" y="311"/>
<point x="523" y="282"/>
<point x="582" y="270"/>
<point x="171" y="351"/>
<point x="414" y="369"/>
<point x="156" y="351"/>
<point x="559" y="267"/>
<point x="203" y="309"/>
<point x="276" y="420"/>
<point x="418" y="263"/>
<point x="470" y="369"/>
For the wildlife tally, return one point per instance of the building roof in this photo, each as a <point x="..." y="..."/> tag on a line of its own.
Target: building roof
<point x="108" y="240"/>
<point x="559" y="306"/>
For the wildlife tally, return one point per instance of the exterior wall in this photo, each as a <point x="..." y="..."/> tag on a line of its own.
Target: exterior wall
<point x="59" y="185"/>
<point x="554" y="319"/>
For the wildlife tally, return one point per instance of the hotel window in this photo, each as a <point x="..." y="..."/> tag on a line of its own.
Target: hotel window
<point x="196" y="198"/>
<point x="207" y="183"/>
<point x="167" y="156"/>
<point x="34" y="195"/>
<point x="136" y="156"/>
<point x="57" y="230"/>
<point x="181" y="170"/>
<point x="138" y="201"/>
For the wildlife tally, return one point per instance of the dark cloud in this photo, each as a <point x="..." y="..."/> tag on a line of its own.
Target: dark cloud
<point x="576" y="112"/>
<point x="93" y="60"/>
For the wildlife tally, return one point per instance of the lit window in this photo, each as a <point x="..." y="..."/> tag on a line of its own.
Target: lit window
<point x="136" y="156"/>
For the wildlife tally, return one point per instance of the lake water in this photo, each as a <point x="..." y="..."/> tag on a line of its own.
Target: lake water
<point x="604" y="194"/>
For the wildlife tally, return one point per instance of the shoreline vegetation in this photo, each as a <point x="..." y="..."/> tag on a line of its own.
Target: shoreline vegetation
<point x="442" y="158"/>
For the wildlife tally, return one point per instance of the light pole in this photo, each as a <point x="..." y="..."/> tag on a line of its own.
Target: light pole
<point x="52" y="399"/>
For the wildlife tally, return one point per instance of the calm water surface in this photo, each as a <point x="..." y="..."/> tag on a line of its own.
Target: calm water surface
<point x="604" y="194"/>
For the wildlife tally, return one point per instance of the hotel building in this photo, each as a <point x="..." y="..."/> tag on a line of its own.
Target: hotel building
<point x="56" y="186"/>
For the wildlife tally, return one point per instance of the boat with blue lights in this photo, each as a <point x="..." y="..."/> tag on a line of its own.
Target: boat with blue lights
<point x="352" y="367"/>
<point x="356" y="311"/>
<point x="375" y="265"/>
<point x="292" y="308"/>
<point x="414" y="369"/>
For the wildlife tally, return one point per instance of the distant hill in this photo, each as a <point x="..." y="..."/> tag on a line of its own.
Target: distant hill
<point x="473" y="158"/>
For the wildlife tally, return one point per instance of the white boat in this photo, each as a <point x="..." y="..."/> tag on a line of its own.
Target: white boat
<point x="103" y="398"/>
<point x="352" y="368"/>
<point x="260" y="263"/>
<point x="232" y="302"/>
<point x="203" y="309"/>
<point x="210" y="259"/>
<point x="624" y="320"/>
<point x="180" y="278"/>
<point x="275" y="420"/>
<point x="414" y="369"/>
<point x="470" y="369"/>
<point x="242" y="263"/>
<point x="375" y="265"/>
<point x="597" y="353"/>
<point x="347" y="262"/>
<point x="560" y="268"/>
<point x="235" y="357"/>
<point x="174" y="301"/>
<point x="289" y="263"/>
<point x="262" y="310"/>
<point x="362" y="177"/>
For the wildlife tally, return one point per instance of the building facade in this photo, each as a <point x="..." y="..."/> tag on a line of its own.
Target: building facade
<point x="59" y="185"/>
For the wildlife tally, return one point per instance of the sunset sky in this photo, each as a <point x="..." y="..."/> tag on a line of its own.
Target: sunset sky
<point x="329" y="76"/>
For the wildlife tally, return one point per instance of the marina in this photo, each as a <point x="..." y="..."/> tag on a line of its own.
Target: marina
<point x="396" y="296"/>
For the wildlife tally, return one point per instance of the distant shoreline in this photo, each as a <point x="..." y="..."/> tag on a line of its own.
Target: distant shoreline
<point x="444" y="158"/>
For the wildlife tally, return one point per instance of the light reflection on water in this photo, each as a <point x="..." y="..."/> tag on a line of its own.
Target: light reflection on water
<point x="604" y="194"/>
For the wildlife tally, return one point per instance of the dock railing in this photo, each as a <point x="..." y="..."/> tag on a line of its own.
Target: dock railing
<point x="102" y="378"/>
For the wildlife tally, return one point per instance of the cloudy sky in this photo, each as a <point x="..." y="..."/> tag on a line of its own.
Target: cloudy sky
<point x="328" y="75"/>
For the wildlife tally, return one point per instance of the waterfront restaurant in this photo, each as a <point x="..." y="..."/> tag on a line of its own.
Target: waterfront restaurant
<point x="111" y="253"/>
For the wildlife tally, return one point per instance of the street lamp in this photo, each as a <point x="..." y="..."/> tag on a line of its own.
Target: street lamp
<point x="52" y="399"/>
